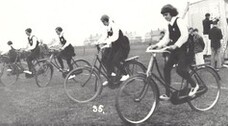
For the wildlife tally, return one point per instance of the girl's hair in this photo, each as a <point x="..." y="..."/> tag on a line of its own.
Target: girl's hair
<point x="29" y="30"/>
<point x="169" y="9"/>
<point x="105" y="18"/>
<point x="9" y="42"/>
<point x="59" y="29"/>
<point x="195" y="30"/>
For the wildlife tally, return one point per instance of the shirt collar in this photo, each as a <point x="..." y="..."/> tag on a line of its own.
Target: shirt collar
<point x="111" y="24"/>
<point x="172" y="20"/>
<point x="30" y="36"/>
<point x="61" y="34"/>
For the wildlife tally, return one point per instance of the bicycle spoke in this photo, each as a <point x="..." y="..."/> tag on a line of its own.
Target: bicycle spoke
<point x="209" y="90"/>
<point x="136" y="100"/>
<point x="85" y="86"/>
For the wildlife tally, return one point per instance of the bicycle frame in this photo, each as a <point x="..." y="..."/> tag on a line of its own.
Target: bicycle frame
<point x="154" y="63"/>
<point x="53" y="61"/>
<point x="152" y="76"/>
<point x="101" y="70"/>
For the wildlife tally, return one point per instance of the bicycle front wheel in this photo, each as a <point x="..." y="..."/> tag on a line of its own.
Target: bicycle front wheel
<point x="82" y="84"/>
<point x="9" y="74"/>
<point x="209" y="81"/>
<point x="43" y="73"/>
<point x="137" y="99"/>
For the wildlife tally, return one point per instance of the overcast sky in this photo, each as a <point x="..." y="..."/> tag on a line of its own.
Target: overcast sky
<point x="79" y="19"/>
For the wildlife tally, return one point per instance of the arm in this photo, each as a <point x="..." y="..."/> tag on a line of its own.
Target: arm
<point x="34" y="39"/>
<point x="209" y="34"/>
<point x="115" y="34"/>
<point x="4" y="52"/>
<point x="66" y="44"/>
<point x="102" y="38"/>
<point x="164" y="41"/>
<point x="220" y="33"/>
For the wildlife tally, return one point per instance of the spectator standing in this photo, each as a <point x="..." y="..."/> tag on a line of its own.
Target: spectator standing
<point x="206" y="28"/>
<point x="215" y="35"/>
<point x="198" y="47"/>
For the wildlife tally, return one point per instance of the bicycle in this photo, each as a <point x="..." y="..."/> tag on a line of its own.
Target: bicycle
<point x="42" y="78"/>
<point x="42" y="69"/>
<point x="138" y="97"/>
<point x="86" y="85"/>
<point x="10" y="72"/>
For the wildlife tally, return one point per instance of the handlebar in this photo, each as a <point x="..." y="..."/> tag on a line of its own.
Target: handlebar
<point x="162" y="50"/>
<point x="99" y="48"/>
<point x="54" y="49"/>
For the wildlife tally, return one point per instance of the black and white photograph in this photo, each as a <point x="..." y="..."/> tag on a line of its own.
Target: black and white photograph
<point x="113" y="63"/>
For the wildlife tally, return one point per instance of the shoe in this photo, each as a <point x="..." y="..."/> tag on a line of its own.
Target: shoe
<point x="124" y="77"/>
<point x="105" y="83"/>
<point x="71" y="77"/>
<point x="193" y="90"/>
<point x="29" y="75"/>
<point x="27" y="71"/>
<point x="164" y="97"/>
<point x="113" y="74"/>
<point x="9" y="70"/>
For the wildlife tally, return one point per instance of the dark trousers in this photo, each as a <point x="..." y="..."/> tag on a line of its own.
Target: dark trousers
<point x="114" y="60"/>
<point x="179" y="57"/>
<point x="68" y="59"/>
<point x="33" y="55"/>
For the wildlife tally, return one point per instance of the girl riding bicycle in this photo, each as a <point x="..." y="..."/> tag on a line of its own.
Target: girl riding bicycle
<point x="67" y="50"/>
<point x="11" y="52"/>
<point x="177" y="32"/>
<point x="33" y="46"/>
<point x="118" y="45"/>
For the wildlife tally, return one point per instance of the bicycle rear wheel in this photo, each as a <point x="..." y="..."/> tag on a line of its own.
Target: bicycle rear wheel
<point x="137" y="99"/>
<point x="211" y="80"/>
<point x="134" y="67"/>
<point x="43" y="73"/>
<point x="9" y="74"/>
<point x="82" y="84"/>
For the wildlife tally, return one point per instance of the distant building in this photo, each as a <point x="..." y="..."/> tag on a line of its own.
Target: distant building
<point x="153" y="36"/>
<point x="91" y="39"/>
<point x="133" y="37"/>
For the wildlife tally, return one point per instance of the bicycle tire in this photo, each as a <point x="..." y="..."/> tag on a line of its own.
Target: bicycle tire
<point x="212" y="80"/>
<point x="43" y="73"/>
<point x="9" y="78"/>
<point x="85" y="86"/>
<point x="130" y="109"/>
<point x="80" y="63"/>
<point x="134" y="67"/>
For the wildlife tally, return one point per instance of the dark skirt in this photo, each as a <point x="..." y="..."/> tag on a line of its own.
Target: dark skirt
<point x="68" y="52"/>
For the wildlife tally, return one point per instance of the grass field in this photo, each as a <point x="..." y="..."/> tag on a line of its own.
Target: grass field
<point x="24" y="103"/>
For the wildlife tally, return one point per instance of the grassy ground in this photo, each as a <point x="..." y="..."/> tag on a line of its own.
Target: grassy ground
<point x="26" y="104"/>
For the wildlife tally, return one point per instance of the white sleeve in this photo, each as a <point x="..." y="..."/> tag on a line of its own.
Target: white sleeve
<point x="34" y="43"/>
<point x="66" y="44"/>
<point x="103" y="38"/>
<point x="115" y="34"/>
<point x="165" y="40"/>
